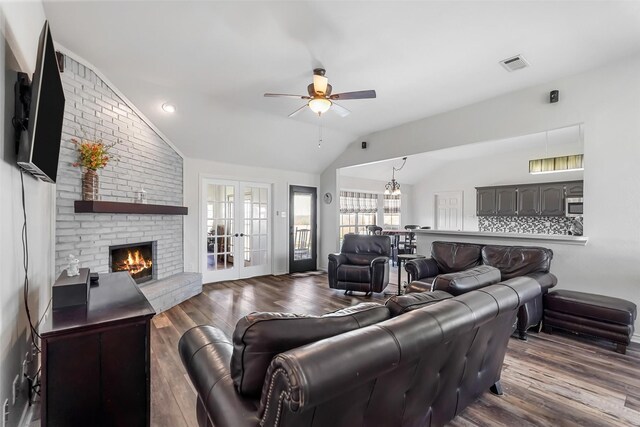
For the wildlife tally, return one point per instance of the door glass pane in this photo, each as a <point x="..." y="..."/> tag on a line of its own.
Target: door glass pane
<point x="255" y="228"/>
<point x="219" y="226"/>
<point x="302" y="226"/>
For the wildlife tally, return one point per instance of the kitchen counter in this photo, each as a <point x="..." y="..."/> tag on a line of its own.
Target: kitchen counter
<point x="550" y="238"/>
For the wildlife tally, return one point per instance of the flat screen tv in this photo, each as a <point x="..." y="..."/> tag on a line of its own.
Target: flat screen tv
<point x="39" y="141"/>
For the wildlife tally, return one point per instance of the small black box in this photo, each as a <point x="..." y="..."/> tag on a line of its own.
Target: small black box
<point x="71" y="291"/>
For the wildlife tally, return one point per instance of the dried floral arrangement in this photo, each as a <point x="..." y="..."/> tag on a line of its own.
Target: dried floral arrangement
<point x="93" y="153"/>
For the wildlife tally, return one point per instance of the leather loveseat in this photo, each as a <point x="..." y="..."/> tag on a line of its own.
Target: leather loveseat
<point x="460" y="267"/>
<point x="420" y="368"/>
<point x="362" y="264"/>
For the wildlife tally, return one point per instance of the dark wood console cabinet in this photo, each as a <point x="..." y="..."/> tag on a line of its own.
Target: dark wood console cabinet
<point x="95" y="359"/>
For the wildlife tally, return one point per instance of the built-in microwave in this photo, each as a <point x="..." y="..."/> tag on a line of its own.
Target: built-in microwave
<point x="574" y="207"/>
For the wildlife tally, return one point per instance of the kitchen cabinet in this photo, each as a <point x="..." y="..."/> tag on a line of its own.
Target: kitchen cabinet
<point x="486" y="201"/>
<point x="552" y="199"/>
<point x="574" y="189"/>
<point x="506" y="201"/>
<point x="529" y="200"/>
<point x="544" y="199"/>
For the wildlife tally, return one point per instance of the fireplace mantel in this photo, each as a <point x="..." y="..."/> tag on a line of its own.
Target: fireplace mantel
<point x="95" y="206"/>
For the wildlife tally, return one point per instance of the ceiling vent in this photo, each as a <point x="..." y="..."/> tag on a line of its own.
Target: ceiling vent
<point x="514" y="63"/>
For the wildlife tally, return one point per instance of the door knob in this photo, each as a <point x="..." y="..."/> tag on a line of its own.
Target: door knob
<point x="236" y="235"/>
<point x="241" y="234"/>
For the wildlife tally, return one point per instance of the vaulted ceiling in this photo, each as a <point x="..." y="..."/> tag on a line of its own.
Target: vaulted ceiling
<point x="215" y="59"/>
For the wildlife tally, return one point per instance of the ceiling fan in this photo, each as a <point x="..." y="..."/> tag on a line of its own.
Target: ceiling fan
<point x="320" y="99"/>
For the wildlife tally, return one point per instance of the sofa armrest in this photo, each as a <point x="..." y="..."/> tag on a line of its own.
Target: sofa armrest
<point x="305" y="377"/>
<point x="545" y="280"/>
<point x="379" y="273"/>
<point x="379" y="260"/>
<point x="206" y="352"/>
<point x="421" y="268"/>
<point x="337" y="259"/>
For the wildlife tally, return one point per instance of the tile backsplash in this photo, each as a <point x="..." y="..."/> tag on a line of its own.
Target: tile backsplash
<point x="525" y="224"/>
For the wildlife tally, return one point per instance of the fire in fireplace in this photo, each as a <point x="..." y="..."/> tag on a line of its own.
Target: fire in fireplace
<point x="137" y="259"/>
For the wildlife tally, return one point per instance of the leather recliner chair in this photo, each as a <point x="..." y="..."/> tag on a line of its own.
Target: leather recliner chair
<point x="362" y="264"/>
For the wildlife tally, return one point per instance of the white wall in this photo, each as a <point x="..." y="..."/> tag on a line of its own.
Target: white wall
<point x="607" y="101"/>
<point x="279" y="180"/>
<point x="465" y="175"/>
<point x="20" y="24"/>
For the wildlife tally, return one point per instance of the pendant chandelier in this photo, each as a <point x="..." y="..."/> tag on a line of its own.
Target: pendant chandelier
<point x="393" y="187"/>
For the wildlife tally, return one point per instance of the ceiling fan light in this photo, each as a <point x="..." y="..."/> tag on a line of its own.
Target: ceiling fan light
<point x="319" y="105"/>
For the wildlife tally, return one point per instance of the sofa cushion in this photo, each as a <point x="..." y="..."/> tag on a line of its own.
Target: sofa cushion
<point x="462" y="282"/>
<point x="452" y="256"/>
<point x="402" y="304"/>
<point x="514" y="261"/>
<point x="258" y="337"/>
<point x="354" y="273"/>
<point x="423" y="285"/>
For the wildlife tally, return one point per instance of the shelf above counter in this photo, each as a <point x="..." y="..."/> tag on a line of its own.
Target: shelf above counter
<point x="551" y="238"/>
<point x="96" y="206"/>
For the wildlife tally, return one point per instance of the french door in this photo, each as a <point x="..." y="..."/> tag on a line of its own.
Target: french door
<point x="236" y="230"/>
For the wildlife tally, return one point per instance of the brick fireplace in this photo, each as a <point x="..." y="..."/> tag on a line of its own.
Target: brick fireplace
<point x="146" y="161"/>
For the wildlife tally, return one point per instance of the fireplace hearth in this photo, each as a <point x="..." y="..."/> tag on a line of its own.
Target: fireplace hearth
<point x="136" y="258"/>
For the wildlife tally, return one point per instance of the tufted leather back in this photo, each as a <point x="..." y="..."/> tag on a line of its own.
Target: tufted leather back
<point x="362" y="249"/>
<point x="513" y="261"/>
<point x="454" y="256"/>
<point x="420" y="368"/>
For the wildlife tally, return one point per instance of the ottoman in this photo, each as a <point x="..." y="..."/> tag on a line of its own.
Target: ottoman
<point x="590" y="314"/>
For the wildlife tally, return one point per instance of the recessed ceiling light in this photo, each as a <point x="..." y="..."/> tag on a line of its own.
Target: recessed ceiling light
<point x="169" y="108"/>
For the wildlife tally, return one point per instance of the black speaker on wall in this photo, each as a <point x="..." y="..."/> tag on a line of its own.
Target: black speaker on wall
<point x="554" y="96"/>
<point x="364" y="145"/>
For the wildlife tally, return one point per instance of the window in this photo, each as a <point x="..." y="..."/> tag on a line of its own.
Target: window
<point x="392" y="211"/>
<point x="357" y="210"/>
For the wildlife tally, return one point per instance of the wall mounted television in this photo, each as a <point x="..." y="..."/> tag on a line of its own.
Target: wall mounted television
<point x="39" y="113"/>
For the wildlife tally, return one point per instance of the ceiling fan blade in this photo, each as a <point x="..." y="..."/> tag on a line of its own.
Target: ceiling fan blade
<point x="298" y="111"/>
<point x="320" y="84"/>
<point x="340" y="110"/>
<point x="361" y="94"/>
<point x="284" y="95"/>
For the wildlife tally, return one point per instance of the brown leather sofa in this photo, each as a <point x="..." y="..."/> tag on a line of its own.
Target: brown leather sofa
<point x="461" y="267"/>
<point x="420" y="368"/>
<point x="362" y="264"/>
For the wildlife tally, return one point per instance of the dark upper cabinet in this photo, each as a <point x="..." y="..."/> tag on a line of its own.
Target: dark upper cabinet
<point x="529" y="200"/>
<point x="506" y="201"/>
<point x="574" y="189"/>
<point x="526" y="200"/>
<point x="486" y="201"/>
<point x="552" y="199"/>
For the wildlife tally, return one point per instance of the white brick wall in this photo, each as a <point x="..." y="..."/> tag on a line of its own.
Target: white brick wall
<point x="145" y="161"/>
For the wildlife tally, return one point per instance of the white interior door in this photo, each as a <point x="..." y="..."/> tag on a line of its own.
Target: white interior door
<point x="448" y="210"/>
<point x="235" y="231"/>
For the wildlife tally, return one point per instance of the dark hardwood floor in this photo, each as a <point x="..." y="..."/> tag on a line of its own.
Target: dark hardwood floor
<point x="550" y="380"/>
